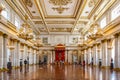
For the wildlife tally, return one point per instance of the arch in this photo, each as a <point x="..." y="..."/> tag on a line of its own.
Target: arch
<point x="60" y="47"/>
<point x="60" y="52"/>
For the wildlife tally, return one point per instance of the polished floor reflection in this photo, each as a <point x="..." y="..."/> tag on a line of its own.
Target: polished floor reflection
<point x="55" y="72"/>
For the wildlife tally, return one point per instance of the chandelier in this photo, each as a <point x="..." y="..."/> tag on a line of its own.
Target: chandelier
<point x="25" y="32"/>
<point x="38" y="42"/>
<point x="95" y="32"/>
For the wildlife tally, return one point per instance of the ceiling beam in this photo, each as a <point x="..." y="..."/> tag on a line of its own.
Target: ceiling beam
<point x="83" y="3"/>
<point x="37" y="2"/>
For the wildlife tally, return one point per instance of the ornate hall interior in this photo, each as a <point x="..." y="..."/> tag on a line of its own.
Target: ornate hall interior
<point x="59" y="39"/>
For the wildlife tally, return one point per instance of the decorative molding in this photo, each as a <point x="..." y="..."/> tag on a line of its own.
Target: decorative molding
<point x="60" y="3"/>
<point x="60" y="9"/>
<point x="28" y="3"/>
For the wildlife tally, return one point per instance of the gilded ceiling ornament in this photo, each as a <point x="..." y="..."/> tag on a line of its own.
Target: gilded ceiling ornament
<point x="60" y="3"/>
<point x="28" y="3"/>
<point x="92" y="3"/>
<point x="60" y="9"/>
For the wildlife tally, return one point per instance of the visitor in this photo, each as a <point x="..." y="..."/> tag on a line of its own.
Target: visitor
<point x="84" y="63"/>
<point x="25" y="62"/>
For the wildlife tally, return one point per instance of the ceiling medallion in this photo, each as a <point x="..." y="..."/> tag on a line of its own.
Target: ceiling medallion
<point x="60" y="4"/>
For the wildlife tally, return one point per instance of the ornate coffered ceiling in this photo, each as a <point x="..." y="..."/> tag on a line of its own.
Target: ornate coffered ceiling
<point x="57" y="15"/>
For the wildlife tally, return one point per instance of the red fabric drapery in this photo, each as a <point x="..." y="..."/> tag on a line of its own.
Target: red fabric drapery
<point x="60" y="52"/>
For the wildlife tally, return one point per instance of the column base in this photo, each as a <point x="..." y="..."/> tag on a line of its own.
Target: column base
<point x="15" y="67"/>
<point x="4" y="69"/>
<point x="105" y="67"/>
<point x="31" y="64"/>
<point x="95" y="65"/>
<point x="116" y="69"/>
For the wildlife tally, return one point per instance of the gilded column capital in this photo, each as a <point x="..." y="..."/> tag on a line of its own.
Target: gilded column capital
<point x="22" y="50"/>
<point x="5" y="35"/>
<point x="98" y="44"/>
<point x="116" y="35"/>
<point x="104" y="40"/>
<point x="1" y="33"/>
<point x="11" y="47"/>
<point x="109" y="47"/>
<point x="15" y="40"/>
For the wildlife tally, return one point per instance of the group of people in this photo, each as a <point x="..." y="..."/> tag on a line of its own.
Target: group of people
<point x="100" y="63"/>
<point x="9" y="64"/>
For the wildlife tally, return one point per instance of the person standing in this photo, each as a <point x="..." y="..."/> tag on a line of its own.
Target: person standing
<point x="20" y="63"/>
<point x="25" y="62"/>
<point x="84" y="63"/>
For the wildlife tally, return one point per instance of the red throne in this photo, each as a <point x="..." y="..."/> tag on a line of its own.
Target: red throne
<point x="60" y="52"/>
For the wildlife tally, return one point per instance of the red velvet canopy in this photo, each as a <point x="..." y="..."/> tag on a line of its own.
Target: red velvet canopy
<point x="59" y="52"/>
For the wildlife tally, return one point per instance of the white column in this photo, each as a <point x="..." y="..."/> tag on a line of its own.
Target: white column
<point x="12" y="55"/>
<point x="116" y="52"/>
<point x="25" y="52"/>
<point x="109" y="51"/>
<point x="30" y="55"/>
<point x="4" y="51"/>
<point x="16" y="53"/>
<point x="89" y="55"/>
<point x="119" y="50"/>
<point x="33" y="56"/>
<point x="104" y="53"/>
<point x="1" y="50"/>
<point x="96" y="54"/>
<point x="85" y="56"/>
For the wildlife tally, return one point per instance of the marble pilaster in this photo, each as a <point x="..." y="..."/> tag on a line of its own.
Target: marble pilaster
<point x="16" y="53"/>
<point x="104" y="53"/>
<point x="119" y="50"/>
<point x="4" y="51"/>
<point x="116" y="51"/>
<point x="1" y="50"/>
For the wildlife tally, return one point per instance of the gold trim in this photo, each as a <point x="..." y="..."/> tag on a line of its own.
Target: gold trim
<point x="83" y="3"/>
<point x="103" y="10"/>
<point x="38" y="22"/>
<point x="9" y="25"/>
<point x="16" y="10"/>
<point x="28" y="11"/>
<point x="42" y="15"/>
<point x="55" y="22"/>
<point x="94" y="9"/>
<point x="58" y="16"/>
<point x="60" y="22"/>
